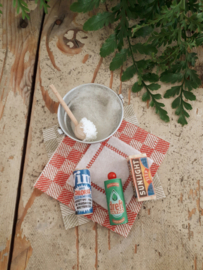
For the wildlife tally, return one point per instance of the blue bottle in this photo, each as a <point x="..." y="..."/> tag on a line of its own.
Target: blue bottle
<point x="83" y="192"/>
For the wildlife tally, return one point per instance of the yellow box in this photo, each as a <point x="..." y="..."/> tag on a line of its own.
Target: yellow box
<point x="141" y="178"/>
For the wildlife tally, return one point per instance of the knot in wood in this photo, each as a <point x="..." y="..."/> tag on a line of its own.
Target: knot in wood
<point x="58" y="22"/>
<point x="23" y="23"/>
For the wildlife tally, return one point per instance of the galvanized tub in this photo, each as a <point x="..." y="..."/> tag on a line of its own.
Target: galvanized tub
<point x="96" y="102"/>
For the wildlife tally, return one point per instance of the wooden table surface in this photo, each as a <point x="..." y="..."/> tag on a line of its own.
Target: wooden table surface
<point x="167" y="234"/>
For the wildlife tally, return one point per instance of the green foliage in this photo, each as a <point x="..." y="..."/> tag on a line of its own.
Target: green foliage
<point x="144" y="32"/>
<point x="154" y="86"/>
<point x="129" y="73"/>
<point x="169" y="77"/>
<point x="150" y="77"/>
<point x="22" y="7"/>
<point x="189" y="95"/>
<point x="85" y="5"/>
<point x="172" y="91"/>
<point x="122" y="12"/>
<point x="140" y="28"/>
<point x="145" y="96"/>
<point x="190" y="80"/>
<point x="98" y="21"/>
<point x="165" y="23"/>
<point x="43" y="4"/>
<point x="177" y="26"/>
<point x="147" y="49"/>
<point x="109" y="46"/>
<point x="154" y="100"/>
<point x="119" y="59"/>
<point x="137" y="87"/>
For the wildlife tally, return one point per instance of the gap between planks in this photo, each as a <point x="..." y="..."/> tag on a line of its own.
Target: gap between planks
<point x="24" y="156"/>
<point x="25" y="143"/>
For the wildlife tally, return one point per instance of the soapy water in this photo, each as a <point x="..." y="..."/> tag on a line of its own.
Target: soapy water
<point x="98" y="105"/>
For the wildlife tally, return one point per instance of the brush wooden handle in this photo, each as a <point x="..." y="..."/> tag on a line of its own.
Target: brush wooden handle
<point x="65" y="106"/>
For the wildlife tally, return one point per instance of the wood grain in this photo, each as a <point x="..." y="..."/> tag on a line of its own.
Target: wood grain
<point x="97" y="70"/>
<point x="85" y="58"/>
<point x="129" y="95"/>
<point x="166" y="233"/>
<point x="120" y="87"/>
<point x="17" y="53"/>
<point x="50" y="69"/>
<point x="77" y="247"/>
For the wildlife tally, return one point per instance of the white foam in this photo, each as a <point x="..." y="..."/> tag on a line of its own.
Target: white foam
<point x="89" y="129"/>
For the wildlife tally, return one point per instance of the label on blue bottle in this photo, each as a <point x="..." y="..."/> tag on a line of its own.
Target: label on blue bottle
<point x="83" y="192"/>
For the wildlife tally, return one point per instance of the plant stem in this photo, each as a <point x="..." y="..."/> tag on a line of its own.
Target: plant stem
<point x="181" y="95"/>
<point x="145" y="86"/>
<point x="134" y="63"/>
<point x="131" y="52"/>
<point x="181" y="18"/>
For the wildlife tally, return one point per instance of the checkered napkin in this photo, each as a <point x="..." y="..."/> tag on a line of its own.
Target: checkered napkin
<point x="70" y="219"/>
<point x="52" y="181"/>
<point x="101" y="159"/>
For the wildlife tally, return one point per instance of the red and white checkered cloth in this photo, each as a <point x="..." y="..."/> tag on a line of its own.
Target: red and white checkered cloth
<point x="53" y="179"/>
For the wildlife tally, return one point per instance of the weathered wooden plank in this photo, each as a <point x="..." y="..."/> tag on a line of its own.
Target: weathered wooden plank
<point x="42" y="224"/>
<point x="18" y="44"/>
<point x="166" y="234"/>
<point x="161" y="232"/>
<point x="65" y="68"/>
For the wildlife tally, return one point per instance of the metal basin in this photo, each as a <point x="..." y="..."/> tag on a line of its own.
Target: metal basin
<point x="96" y="102"/>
